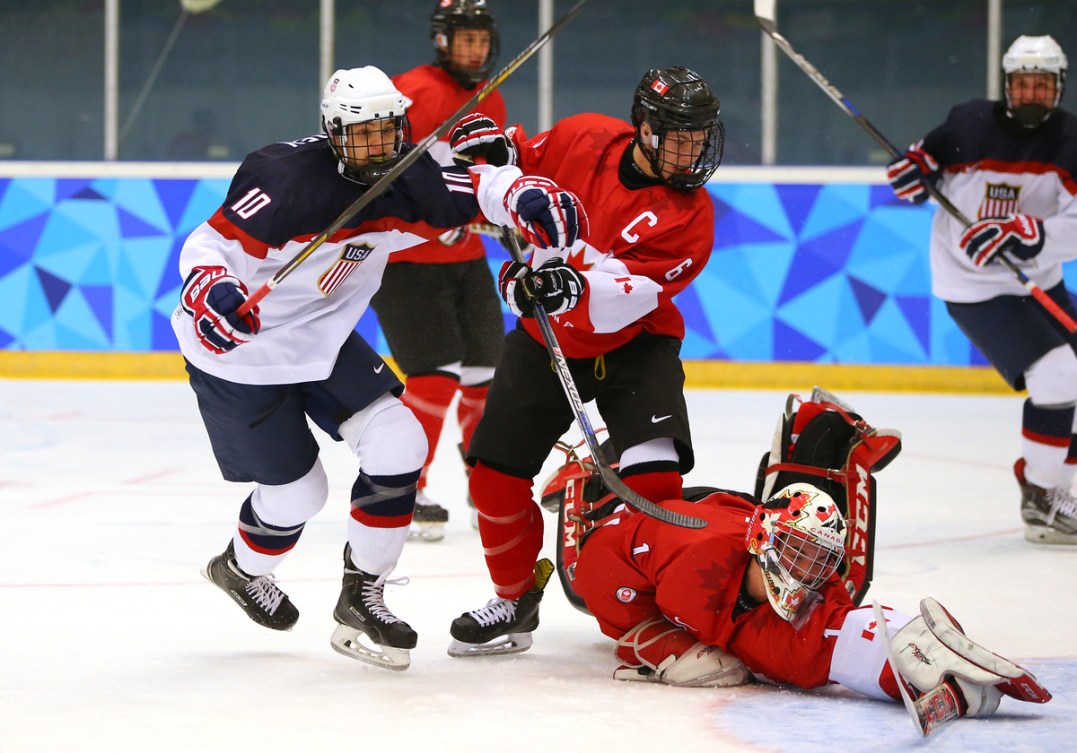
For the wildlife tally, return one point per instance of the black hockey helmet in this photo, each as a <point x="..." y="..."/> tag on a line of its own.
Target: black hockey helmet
<point x="678" y="99"/>
<point x="447" y="18"/>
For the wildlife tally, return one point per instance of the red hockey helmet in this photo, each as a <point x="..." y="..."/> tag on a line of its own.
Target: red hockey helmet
<point x="798" y="536"/>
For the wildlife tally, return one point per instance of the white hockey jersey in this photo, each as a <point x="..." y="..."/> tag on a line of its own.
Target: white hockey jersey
<point x="282" y="197"/>
<point x="991" y="167"/>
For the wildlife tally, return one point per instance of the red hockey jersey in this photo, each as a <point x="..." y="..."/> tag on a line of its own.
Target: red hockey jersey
<point x="645" y="245"/>
<point x="636" y="567"/>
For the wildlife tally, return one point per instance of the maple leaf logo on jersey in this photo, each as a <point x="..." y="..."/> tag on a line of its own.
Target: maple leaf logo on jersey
<point x="350" y="258"/>
<point x="1000" y="200"/>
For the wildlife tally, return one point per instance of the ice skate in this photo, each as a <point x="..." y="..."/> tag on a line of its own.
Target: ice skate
<point x="361" y="611"/>
<point x="428" y="522"/>
<point x="258" y="596"/>
<point x="1050" y="515"/>
<point x="503" y="626"/>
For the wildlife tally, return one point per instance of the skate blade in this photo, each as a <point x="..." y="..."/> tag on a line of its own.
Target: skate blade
<point x="1040" y="534"/>
<point x="513" y="643"/>
<point x="1017" y="682"/>
<point x="428" y="532"/>
<point x="346" y="641"/>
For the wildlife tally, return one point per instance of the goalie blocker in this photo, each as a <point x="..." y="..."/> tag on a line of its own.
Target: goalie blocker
<point x="821" y="441"/>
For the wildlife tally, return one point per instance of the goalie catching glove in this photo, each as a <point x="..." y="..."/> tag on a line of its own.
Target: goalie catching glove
<point x="1019" y="234"/>
<point x="555" y="286"/>
<point x="477" y="140"/>
<point x="211" y="295"/>
<point x="942" y="675"/>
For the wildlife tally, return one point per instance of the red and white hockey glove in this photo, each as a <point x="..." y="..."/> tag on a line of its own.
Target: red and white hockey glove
<point x="1019" y="234"/>
<point x="477" y="139"/>
<point x="211" y="296"/>
<point x="907" y="174"/>
<point x="555" y="286"/>
<point x="547" y="215"/>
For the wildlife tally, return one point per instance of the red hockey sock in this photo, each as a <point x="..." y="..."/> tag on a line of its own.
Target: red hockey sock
<point x="429" y="396"/>
<point x="510" y="526"/>
<point x="657" y="486"/>
<point x="469" y="410"/>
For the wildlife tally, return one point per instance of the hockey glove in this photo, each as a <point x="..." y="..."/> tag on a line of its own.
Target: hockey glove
<point x="211" y="296"/>
<point x="547" y="215"/>
<point x="907" y="174"/>
<point x="1019" y="234"/>
<point x="555" y="286"/>
<point x="477" y="140"/>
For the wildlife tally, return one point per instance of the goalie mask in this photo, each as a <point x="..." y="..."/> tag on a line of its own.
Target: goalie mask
<point x="363" y="115"/>
<point x="798" y="537"/>
<point x="1034" y="55"/>
<point x="453" y="16"/>
<point x="677" y="126"/>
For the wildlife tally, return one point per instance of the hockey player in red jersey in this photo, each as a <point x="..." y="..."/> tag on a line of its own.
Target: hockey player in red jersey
<point x="611" y="305"/>
<point x="1011" y="167"/>
<point x="768" y="590"/>
<point x="438" y="304"/>
<point x="296" y="356"/>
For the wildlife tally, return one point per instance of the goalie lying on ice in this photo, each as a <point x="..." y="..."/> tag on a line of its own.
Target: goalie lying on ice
<point x="766" y="590"/>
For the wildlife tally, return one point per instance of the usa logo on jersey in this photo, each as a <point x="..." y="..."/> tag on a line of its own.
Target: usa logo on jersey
<point x="1000" y="200"/>
<point x="350" y="258"/>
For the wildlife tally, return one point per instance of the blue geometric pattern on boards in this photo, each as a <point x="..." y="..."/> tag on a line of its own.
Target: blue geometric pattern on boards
<point x="830" y="273"/>
<point x="91" y="263"/>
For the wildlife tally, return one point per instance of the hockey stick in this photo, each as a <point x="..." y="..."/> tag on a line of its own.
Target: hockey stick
<point x="408" y="160"/>
<point x="764" y="14"/>
<point x="612" y="481"/>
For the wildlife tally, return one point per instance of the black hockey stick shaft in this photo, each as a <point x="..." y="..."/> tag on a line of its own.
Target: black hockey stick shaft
<point x="610" y="478"/>
<point x="408" y="160"/>
<point x="764" y="14"/>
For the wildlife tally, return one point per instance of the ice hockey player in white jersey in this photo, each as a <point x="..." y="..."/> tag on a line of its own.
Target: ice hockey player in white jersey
<point x="1011" y="167"/>
<point x="295" y="356"/>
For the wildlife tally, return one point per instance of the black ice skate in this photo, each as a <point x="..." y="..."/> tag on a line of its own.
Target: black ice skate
<point x="428" y="522"/>
<point x="360" y="611"/>
<point x="1050" y="515"/>
<point x="503" y="626"/>
<point x="258" y="596"/>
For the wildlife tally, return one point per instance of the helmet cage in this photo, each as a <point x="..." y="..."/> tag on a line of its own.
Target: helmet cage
<point x="678" y="99"/>
<point x="1034" y="55"/>
<point x="453" y="15"/>
<point x="361" y="96"/>
<point x="798" y="537"/>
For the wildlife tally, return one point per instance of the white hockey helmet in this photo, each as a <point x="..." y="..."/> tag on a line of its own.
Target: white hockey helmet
<point x="363" y="95"/>
<point x="1034" y="55"/>
<point x="798" y="536"/>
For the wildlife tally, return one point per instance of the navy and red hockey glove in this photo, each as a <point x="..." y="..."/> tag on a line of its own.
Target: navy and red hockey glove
<point x="547" y="215"/>
<point x="555" y="286"/>
<point x="477" y="139"/>
<point x="211" y="296"/>
<point x="1019" y="234"/>
<point x="908" y="173"/>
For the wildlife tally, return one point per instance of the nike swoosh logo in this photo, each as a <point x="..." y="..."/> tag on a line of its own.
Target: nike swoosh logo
<point x="659" y="419"/>
<point x="378" y="368"/>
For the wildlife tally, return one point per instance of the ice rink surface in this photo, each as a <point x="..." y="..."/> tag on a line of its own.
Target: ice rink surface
<point x="110" y="639"/>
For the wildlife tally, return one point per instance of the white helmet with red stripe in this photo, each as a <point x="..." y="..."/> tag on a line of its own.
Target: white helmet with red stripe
<point x="798" y="536"/>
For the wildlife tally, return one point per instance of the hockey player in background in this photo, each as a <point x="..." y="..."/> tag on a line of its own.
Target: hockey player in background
<point x="259" y="377"/>
<point x="611" y="302"/>
<point x="1011" y="167"/>
<point x="772" y="591"/>
<point x="438" y="303"/>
